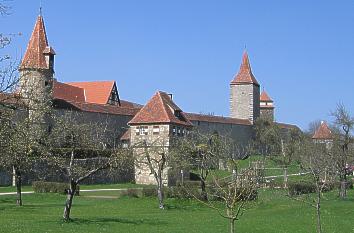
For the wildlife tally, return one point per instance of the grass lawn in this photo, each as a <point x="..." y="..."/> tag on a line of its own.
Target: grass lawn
<point x="272" y="213"/>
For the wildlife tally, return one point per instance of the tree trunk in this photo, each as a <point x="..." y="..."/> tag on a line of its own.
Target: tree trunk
<point x="285" y="170"/>
<point x="204" y="195"/>
<point x="69" y="200"/>
<point x="18" y="187"/>
<point x="160" y="194"/>
<point x="343" y="189"/>
<point x="318" y="212"/>
<point x="232" y="225"/>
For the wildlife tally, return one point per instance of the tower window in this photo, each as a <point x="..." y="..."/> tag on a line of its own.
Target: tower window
<point x="46" y="83"/>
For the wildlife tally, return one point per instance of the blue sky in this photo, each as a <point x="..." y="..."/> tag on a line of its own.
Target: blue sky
<point x="301" y="51"/>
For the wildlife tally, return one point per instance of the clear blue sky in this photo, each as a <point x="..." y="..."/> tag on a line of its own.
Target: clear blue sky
<point x="301" y="51"/>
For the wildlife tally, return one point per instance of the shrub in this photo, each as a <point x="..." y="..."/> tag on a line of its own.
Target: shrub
<point x="194" y="176"/>
<point x="189" y="184"/>
<point x="131" y="193"/>
<point x="149" y="192"/>
<point x="183" y="192"/>
<point x="52" y="187"/>
<point x="301" y="187"/>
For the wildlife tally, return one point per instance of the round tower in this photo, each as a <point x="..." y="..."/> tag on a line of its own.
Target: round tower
<point x="37" y="73"/>
<point x="245" y="93"/>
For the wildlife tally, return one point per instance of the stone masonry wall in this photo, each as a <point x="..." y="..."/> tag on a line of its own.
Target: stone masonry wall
<point x="244" y="101"/>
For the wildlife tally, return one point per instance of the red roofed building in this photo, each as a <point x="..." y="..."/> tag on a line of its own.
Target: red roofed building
<point x="323" y="133"/>
<point x="154" y="126"/>
<point x="99" y="101"/>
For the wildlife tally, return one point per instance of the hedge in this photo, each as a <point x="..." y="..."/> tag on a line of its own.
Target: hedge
<point x="52" y="187"/>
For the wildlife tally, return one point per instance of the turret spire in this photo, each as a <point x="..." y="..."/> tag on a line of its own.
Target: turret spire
<point x="34" y="57"/>
<point x="245" y="74"/>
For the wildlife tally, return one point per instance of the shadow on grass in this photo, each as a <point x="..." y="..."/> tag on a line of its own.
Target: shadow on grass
<point x="105" y="220"/>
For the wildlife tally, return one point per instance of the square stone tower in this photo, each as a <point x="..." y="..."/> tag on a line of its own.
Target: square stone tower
<point x="245" y="93"/>
<point x="152" y="130"/>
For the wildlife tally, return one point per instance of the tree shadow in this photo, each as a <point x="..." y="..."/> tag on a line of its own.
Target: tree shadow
<point x="104" y="220"/>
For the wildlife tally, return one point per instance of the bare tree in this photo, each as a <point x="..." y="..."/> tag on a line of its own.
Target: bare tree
<point x="154" y="157"/>
<point x="288" y="147"/>
<point x="343" y="145"/>
<point x="316" y="158"/>
<point x="80" y="149"/>
<point x="267" y="140"/>
<point x="200" y="152"/>
<point x="20" y="146"/>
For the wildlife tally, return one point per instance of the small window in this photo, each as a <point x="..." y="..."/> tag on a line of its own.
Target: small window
<point x="46" y="83"/>
<point x="156" y="130"/>
<point x="174" y="131"/>
<point x="141" y="130"/>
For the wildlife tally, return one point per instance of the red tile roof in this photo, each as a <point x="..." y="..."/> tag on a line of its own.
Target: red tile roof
<point x="160" y="109"/>
<point x="323" y="132"/>
<point x="265" y="97"/>
<point x="97" y="92"/>
<point x="245" y="75"/>
<point x="68" y="92"/>
<point x="216" y="119"/>
<point x="98" y="108"/>
<point x="34" y="56"/>
<point x="126" y="135"/>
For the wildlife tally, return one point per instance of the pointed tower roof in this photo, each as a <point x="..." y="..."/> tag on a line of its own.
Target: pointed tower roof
<point x="37" y="47"/>
<point x="245" y="75"/>
<point x="265" y="97"/>
<point x="323" y="132"/>
<point x="160" y="109"/>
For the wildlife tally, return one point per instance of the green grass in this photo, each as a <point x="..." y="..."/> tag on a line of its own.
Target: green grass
<point x="273" y="213"/>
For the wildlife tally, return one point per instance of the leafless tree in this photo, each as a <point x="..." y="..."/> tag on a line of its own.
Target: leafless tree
<point x="343" y="145"/>
<point x="201" y="153"/>
<point x="154" y="156"/>
<point x="316" y="158"/>
<point x="80" y="149"/>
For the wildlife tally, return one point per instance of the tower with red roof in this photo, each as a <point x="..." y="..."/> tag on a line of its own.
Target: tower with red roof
<point x="244" y="97"/>
<point x="266" y="106"/>
<point x="323" y="134"/>
<point x="37" y="71"/>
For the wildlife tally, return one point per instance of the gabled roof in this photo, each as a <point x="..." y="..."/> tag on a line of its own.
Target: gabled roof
<point x="97" y="108"/>
<point x="245" y="75"/>
<point x="160" y="109"/>
<point x="97" y="92"/>
<point x="68" y="92"/>
<point x="37" y="46"/>
<point x="265" y="97"/>
<point x="323" y="132"/>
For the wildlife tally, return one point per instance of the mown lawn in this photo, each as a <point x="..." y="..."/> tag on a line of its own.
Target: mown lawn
<point x="273" y="212"/>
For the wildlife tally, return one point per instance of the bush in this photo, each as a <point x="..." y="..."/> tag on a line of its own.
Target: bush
<point x="183" y="192"/>
<point x="149" y="192"/>
<point x="189" y="184"/>
<point x="131" y="193"/>
<point x="52" y="187"/>
<point x="194" y="176"/>
<point x="301" y="187"/>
